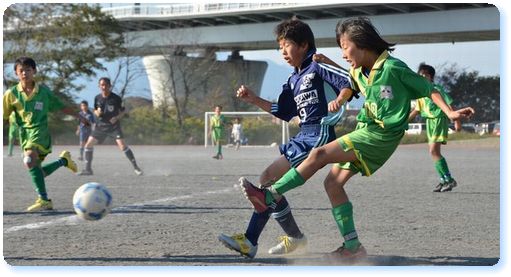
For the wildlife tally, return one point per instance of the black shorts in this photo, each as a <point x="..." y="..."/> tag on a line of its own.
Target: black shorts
<point x="101" y="132"/>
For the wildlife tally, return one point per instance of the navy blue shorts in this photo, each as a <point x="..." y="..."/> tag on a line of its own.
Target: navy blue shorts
<point x="84" y="134"/>
<point x="102" y="131"/>
<point x="309" y="137"/>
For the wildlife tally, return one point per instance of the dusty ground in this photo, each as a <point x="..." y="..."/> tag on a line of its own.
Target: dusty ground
<point x="173" y="214"/>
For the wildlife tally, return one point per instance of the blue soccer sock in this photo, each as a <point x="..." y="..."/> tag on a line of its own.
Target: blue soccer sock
<point x="284" y="217"/>
<point x="256" y="225"/>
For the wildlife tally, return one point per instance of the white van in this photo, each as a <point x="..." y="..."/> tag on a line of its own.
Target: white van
<point x="415" y="128"/>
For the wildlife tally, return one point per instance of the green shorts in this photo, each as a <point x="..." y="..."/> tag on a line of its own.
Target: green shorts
<point x="36" y="139"/>
<point x="372" y="149"/>
<point x="437" y="129"/>
<point x="217" y="134"/>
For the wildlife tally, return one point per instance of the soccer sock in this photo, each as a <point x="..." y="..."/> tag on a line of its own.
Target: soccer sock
<point x="130" y="156"/>
<point x="284" y="217"/>
<point x="445" y="170"/>
<point x="37" y="175"/>
<point x="81" y="152"/>
<point x="256" y="225"/>
<point x="343" y="215"/>
<point x="51" y="167"/>
<point x="289" y="181"/>
<point x="438" y="169"/>
<point x="88" y="158"/>
<point x="219" y="149"/>
<point x="11" y="145"/>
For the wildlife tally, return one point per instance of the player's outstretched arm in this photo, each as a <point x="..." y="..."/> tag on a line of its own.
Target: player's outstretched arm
<point x="462" y="113"/>
<point x="412" y="115"/>
<point x="320" y="58"/>
<point x="247" y="95"/>
<point x="336" y="104"/>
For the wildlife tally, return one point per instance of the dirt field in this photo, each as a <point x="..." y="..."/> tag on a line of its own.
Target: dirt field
<point x="173" y="214"/>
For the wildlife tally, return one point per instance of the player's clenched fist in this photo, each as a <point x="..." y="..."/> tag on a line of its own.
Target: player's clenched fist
<point x="245" y="94"/>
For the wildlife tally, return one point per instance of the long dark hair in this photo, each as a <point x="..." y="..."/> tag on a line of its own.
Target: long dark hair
<point x="361" y="31"/>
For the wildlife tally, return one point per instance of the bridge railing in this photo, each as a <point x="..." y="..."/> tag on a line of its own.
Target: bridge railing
<point x="188" y="9"/>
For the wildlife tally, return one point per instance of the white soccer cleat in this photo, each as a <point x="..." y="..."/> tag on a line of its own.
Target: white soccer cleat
<point x="288" y="244"/>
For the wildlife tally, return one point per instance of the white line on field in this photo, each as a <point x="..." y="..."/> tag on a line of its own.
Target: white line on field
<point x="73" y="219"/>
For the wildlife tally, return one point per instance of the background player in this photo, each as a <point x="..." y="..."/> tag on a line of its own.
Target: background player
<point x="85" y="125"/>
<point x="217" y="131"/>
<point x="303" y="95"/>
<point x="388" y="86"/>
<point x="31" y="102"/>
<point x="437" y="126"/>
<point x="237" y="133"/>
<point x="109" y="109"/>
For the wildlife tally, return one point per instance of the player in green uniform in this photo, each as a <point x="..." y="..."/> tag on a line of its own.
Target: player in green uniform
<point x="217" y="131"/>
<point x="437" y="126"/>
<point x="13" y="133"/>
<point x="31" y="102"/>
<point x="388" y="86"/>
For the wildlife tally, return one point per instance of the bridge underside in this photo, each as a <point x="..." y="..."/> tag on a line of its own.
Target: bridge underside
<point x="423" y="27"/>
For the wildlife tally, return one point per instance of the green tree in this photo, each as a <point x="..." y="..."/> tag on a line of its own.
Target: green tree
<point x="469" y="89"/>
<point x="66" y="40"/>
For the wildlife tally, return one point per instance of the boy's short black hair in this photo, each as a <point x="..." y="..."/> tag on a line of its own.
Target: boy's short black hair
<point x="428" y="68"/>
<point x="296" y="31"/>
<point x="85" y="103"/>
<point x="24" y="61"/>
<point x="106" y="79"/>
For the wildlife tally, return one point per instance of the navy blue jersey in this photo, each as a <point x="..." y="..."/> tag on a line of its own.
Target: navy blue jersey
<point x="86" y="120"/>
<point x="305" y="92"/>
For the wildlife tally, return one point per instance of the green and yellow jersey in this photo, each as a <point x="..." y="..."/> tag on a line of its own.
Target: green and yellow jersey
<point x="388" y="90"/>
<point x="31" y="114"/>
<point x="217" y="126"/>
<point x="428" y="108"/>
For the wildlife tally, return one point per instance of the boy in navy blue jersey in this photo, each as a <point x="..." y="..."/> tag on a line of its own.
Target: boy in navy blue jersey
<point x="303" y="95"/>
<point x="84" y="128"/>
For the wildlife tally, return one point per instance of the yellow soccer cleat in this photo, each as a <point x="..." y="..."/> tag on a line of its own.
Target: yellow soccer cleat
<point x="240" y="244"/>
<point x="40" y="205"/>
<point x="70" y="163"/>
<point x="288" y="244"/>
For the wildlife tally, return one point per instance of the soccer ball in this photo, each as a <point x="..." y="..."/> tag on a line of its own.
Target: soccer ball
<point x="92" y="201"/>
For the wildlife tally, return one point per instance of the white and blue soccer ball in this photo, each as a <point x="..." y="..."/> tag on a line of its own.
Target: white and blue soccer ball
<point x="92" y="201"/>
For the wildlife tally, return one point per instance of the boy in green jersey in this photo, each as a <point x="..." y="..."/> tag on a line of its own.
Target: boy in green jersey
<point x="14" y="133"/>
<point x="437" y="126"/>
<point x="388" y="86"/>
<point x="31" y="102"/>
<point x="217" y="131"/>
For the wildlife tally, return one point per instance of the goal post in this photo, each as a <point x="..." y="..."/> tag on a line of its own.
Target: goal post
<point x="207" y="115"/>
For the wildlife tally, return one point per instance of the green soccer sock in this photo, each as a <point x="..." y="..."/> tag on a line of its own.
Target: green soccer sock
<point x="38" y="181"/>
<point x="439" y="170"/>
<point x="219" y="149"/>
<point x="11" y="145"/>
<point x="343" y="215"/>
<point x="289" y="181"/>
<point x="445" y="170"/>
<point x="51" y="167"/>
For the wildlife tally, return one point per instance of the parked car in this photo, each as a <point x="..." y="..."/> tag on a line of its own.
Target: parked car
<point x="415" y="128"/>
<point x="496" y="129"/>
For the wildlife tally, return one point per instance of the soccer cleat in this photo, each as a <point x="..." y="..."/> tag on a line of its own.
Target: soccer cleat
<point x="288" y="244"/>
<point x="40" y="205"/>
<point x="215" y="157"/>
<point x="70" y="163"/>
<point x="344" y="253"/>
<point x="85" y="172"/>
<point x="138" y="171"/>
<point x="240" y="244"/>
<point x="80" y="158"/>
<point x="448" y="186"/>
<point x="438" y="187"/>
<point x="255" y="195"/>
